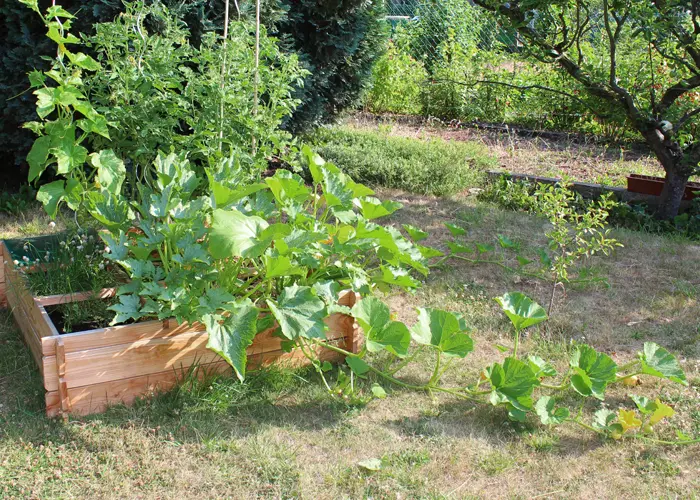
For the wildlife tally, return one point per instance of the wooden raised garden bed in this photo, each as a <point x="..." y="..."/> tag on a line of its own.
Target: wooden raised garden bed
<point x="84" y="372"/>
<point x="648" y="184"/>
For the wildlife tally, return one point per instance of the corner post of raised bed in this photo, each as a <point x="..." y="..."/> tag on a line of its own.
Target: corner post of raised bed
<point x="354" y="338"/>
<point x="62" y="385"/>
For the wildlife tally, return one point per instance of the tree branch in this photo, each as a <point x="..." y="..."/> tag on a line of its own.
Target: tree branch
<point x="521" y="87"/>
<point x="677" y="90"/>
<point x="684" y="119"/>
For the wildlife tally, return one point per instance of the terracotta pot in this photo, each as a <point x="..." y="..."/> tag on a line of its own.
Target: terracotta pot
<point x="647" y="184"/>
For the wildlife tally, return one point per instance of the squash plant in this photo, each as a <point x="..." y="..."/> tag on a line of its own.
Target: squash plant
<point x="240" y="256"/>
<point x="519" y="384"/>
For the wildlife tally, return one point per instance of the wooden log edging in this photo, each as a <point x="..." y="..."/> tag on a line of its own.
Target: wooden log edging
<point x="586" y="189"/>
<point x="85" y="372"/>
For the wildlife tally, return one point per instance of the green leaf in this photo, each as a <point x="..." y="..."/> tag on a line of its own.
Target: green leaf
<point x="380" y="331"/>
<point x="658" y="362"/>
<point x="540" y="367"/>
<point x="58" y="11"/>
<point x="544" y="258"/>
<point x="415" y="233"/>
<point x="457" y="248"/>
<point x="522" y="261"/>
<point x="225" y="195"/>
<point x="83" y="61"/>
<point x="129" y="307"/>
<point x="521" y="310"/>
<point x="230" y="335"/>
<point x="378" y="391"/>
<point x="513" y="383"/>
<point x="644" y="404"/>
<point x="399" y="277"/>
<point x="32" y="4"/>
<point x="45" y="101"/>
<point x="110" y="170"/>
<point x="429" y="252"/>
<point x="506" y="242"/>
<point x="110" y="209"/>
<point x="357" y="365"/>
<point x="443" y="330"/>
<point x="455" y="230"/>
<point x="233" y="234"/>
<point x="37" y="157"/>
<point x="372" y="208"/>
<point x="289" y="191"/>
<point x="299" y="313"/>
<point x="94" y="125"/>
<point x="593" y="371"/>
<point x="117" y="249"/>
<point x="603" y="419"/>
<point x="281" y="266"/>
<point x="548" y="415"/>
<point x="55" y="34"/>
<point x="50" y="195"/>
<point x="484" y="248"/>
<point x="329" y="291"/>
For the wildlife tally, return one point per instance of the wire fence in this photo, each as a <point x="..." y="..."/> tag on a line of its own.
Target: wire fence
<point x="470" y="68"/>
<point x="430" y="23"/>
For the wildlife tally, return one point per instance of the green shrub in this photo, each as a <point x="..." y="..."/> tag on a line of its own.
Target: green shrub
<point x="433" y="166"/>
<point x="338" y="42"/>
<point x="397" y="79"/>
<point x="520" y="195"/>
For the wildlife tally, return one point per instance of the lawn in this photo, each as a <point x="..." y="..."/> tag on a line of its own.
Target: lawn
<point x="280" y="435"/>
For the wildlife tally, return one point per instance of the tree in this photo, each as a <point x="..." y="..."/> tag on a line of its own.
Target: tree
<point x="639" y="59"/>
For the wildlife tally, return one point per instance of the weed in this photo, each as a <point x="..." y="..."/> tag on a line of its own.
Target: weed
<point x="496" y="462"/>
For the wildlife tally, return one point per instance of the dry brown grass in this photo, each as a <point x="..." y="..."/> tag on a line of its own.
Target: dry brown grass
<point x="282" y="436"/>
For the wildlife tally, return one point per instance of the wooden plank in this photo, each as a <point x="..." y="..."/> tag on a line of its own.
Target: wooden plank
<point x="97" y="397"/>
<point x="47" y="320"/>
<point x="120" y="334"/>
<point x="154" y="355"/>
<point x="53" y="300"/>
<point x="124" y="334"/>
<point x="61" y="373"/>
<point x="17" y="284"/>
<point x="30" y="335"/>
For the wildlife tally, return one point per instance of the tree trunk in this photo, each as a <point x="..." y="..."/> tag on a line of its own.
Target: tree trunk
<point x="670" y="156"/>
<point x="673" y="191"/>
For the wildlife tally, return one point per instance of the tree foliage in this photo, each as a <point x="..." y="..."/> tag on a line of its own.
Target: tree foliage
<point x="642" y="59"/>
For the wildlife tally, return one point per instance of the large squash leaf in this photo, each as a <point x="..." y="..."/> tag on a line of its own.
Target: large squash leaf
<point x="232" y="333"/>
<point x="299" y="312"/>
<point x="444" y="330"/>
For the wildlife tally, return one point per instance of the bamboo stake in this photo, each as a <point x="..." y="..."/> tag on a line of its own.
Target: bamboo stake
<point x="257" y="66"/>
<point x="223" y="75"/>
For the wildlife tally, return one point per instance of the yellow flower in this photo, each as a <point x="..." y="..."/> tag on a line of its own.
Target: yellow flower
<point x="662" y="411"/>
<point x="628" y="419"/>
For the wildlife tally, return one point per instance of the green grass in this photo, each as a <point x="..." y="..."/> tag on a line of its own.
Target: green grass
<point x="420" y="166"/>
